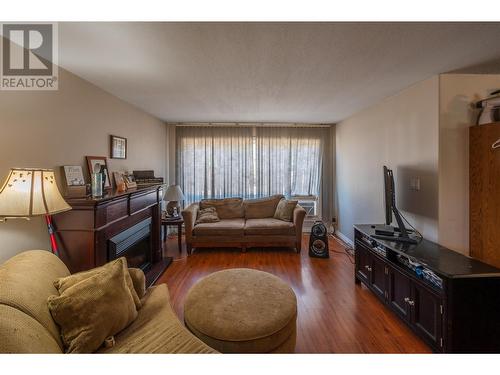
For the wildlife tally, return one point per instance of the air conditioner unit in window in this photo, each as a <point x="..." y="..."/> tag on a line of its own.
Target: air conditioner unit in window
<point x="310" y="204"/>
<point x="310" y="208"/>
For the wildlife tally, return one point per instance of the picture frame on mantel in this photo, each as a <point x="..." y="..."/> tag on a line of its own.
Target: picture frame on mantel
<point x="73" y="175"/>
<point x="94" y="163"/>
<point x="74" y="182"/>
<point x="118" y="147"/>
<point x="120" y="184"/>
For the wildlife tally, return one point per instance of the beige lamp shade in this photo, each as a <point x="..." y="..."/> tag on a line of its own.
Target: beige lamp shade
<point x="30" y="192"/>
<point x="174" y="193"/>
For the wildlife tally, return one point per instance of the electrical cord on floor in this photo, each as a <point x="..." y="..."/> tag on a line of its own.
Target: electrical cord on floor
<point x="347" y="250"/>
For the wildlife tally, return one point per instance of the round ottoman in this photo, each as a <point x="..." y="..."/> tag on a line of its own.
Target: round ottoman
<point x="243" y="310"/>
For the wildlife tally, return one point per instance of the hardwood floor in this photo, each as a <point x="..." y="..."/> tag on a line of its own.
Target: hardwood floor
<point x="334" y="314"/>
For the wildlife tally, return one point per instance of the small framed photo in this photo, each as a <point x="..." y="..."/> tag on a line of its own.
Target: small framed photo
<point x="74" y="175"/>
<point x="120" y="182"/>
<point x="129" y="181"/>
<point x="118" y="147"/>
<point x="95" y="164"/>
<point x="118" y="178"/>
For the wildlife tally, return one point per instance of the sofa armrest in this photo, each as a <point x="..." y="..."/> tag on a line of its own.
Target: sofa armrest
<point x="299" y="215"/>
<point x="189" y="214"/>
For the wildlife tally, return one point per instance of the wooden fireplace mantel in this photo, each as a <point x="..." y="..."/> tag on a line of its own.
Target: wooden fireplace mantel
<point x="84" y="232"/>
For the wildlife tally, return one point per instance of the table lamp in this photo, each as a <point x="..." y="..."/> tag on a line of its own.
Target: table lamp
<point x="29" y="192"/>
<point x="173" y="196"/>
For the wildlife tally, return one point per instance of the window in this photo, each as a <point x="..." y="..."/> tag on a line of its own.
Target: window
<point x="249" y="162"/>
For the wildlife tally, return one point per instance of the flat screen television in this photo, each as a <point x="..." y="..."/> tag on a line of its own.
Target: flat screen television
<point x="401" y="233"/>
<point x="389" y="195"/>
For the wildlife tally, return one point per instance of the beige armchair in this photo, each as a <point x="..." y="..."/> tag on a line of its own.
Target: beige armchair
<point x="26" y="324"/>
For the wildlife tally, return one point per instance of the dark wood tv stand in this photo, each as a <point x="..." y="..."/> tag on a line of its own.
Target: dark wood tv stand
<point x="460" y="316"/>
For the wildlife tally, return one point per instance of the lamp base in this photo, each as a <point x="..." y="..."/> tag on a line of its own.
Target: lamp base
<point x="173" y="208"/>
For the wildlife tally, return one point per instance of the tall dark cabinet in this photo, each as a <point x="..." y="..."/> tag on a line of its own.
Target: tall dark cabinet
<point x="484" y="193"/>
<point x="451" y="302"/>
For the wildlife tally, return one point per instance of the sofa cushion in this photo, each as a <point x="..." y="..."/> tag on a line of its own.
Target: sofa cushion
<point x="207" y="215"/>
<point x="227" y="208"/>
<point x="269" y="226"/>
<point x="284" y="210"/>
<point x="157" y="329"/>
<point x="261" y="208"/>
<point x="229" y="227"/>
<point x="94" y="309"/>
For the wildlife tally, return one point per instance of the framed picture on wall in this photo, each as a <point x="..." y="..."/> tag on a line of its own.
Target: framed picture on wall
<point x="95" y="164"/>
<point x="118" y="147"/>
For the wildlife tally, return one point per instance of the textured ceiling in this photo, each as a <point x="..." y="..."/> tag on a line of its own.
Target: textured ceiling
<point x="268" y="72"/>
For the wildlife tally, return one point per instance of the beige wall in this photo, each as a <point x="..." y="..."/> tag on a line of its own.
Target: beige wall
<point x="457" y="92"/>
<point x="171" y="154"/>
<point x="49" y="129"/>
<point x="402" y="133"/>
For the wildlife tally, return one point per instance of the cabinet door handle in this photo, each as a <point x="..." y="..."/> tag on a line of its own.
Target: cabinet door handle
<point x="409" y="301"/>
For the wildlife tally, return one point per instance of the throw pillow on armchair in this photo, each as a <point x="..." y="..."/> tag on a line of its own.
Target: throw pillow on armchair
<point x="66" y="282"/>
<point x="95" y="308"/>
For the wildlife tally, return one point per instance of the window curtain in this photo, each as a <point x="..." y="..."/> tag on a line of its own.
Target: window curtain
<point x="215" y="162"/>
<point x="289" y="160"/>
<point x="253" y="161"/>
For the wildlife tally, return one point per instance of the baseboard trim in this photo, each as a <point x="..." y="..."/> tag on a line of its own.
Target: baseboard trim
<point x="344" y="238"/>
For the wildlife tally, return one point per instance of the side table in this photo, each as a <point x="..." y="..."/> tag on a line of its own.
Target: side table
<point x="178" y="222"/>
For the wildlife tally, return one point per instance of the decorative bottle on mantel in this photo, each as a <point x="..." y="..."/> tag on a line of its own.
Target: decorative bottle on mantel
<point x="103" y="173"/>
<point x="97" y="185"/>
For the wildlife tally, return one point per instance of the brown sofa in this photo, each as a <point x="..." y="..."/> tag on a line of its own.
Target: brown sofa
<point x="244" y="224"/>
<point x="26" y="325"/>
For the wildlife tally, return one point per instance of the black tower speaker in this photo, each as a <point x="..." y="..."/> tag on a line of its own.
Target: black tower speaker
<point x="318" y="242"/>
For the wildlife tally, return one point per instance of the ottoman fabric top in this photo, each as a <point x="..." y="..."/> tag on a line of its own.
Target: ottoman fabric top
<point x="240" y="304"/>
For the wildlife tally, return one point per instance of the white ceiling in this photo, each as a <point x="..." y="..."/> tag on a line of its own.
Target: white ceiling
<point x="267" y="72"/>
